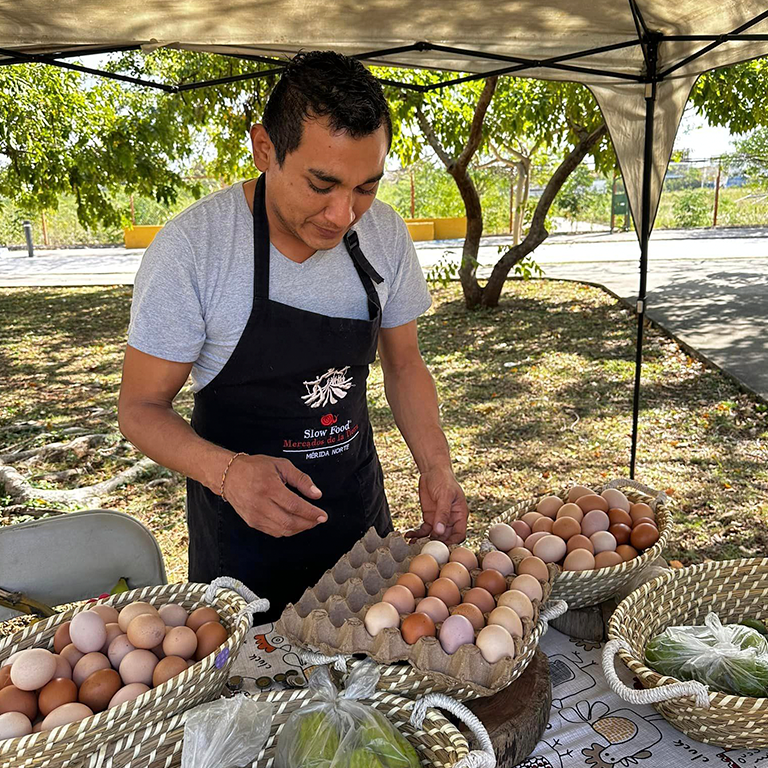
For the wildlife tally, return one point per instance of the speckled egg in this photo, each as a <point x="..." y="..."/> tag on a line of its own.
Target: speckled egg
<point x="146" y="631"/>
<point x="180" y="641"/>
<point x="118" y="649"/>
<point x="131" y="611"/>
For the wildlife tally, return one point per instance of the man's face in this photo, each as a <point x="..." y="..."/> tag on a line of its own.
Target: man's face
<point x="326" y="185"/>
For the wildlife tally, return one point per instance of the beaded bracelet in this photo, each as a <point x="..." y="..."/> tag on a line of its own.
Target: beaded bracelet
<point x="224" y="476"/>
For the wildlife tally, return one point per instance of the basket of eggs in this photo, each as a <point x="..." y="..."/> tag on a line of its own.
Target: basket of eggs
<point x="93" y="681"/>
<point x="597" y="539"/>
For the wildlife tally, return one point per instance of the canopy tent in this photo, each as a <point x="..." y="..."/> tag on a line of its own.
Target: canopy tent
<point x="640" y="58"/>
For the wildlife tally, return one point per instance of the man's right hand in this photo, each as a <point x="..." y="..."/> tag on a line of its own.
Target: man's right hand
<point x="256" y="488"/>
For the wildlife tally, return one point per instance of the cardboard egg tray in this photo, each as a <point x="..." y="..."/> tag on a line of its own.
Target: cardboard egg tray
<point x="329" y="618"/>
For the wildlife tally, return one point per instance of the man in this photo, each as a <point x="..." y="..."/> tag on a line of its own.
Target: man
<point x="274" y="294"/>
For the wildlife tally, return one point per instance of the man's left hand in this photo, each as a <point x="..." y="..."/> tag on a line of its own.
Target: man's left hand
<point x="444" y="507"/>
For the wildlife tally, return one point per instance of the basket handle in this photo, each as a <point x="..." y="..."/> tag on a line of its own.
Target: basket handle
<point x="551" y="610"/>
<point x="339" y="661"/>
<point x="477" y="758"/>
<point x="697" y="690"/>
<point x="255" y="604"/>
<point x="625" y="482"/>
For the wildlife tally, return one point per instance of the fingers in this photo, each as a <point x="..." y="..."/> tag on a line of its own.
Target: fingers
<point x="299" y="480"/>
<point x="419" y="533"/>
<point x="292" y="504"/>
<point x="440" y="520"/>
<point x="275" y="521"/>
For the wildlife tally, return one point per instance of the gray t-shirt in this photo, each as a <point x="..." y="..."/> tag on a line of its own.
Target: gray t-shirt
<point x="194" y="289"/>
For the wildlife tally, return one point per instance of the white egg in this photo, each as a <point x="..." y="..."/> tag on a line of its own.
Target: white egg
<point x="381" y="616"/>
<point x="503" y="537"/>
<point x="438" y="550"/>
<point x="495" y="643"/>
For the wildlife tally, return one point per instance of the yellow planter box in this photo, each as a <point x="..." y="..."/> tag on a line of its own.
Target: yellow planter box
<point x="140" y="237"/>
<point x="421" y="230"/>
<point x="443" y="229"/>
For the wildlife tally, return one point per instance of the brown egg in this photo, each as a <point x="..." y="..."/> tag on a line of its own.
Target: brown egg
<point x="522" y="529"/>
<point x="643" y="536"/>
<point x="401" y="597"/>
<point x="577" y="491"/>
<point x="109" y="615"/>
<point x="480" y="597"/>
<point x="458" y="574"/>
<point x="131" y="611"/>
<point x="138" y="666"/>
<point x="626" y="552"/>
<point x="607" y="559"/>
<point x="90" y="663"/>
<point x="180" y="641"/>
<point x="71" y="654"/>
<point x="571" y="510"/>
<point x="620" y="532"/>
<point x="619" y="517"/>
<point x="580" y="542"/>
<point x="519" y="552"/>
<point x="128" y="693"/>
<point x="425" y="567"/>
<point x="13" y="699"/>
<point x="579" y="560"/>
<point x="591" y="502"/>
<point x="528" y="585"/>
<point x="61" y="639"/>
<point x="210" y="637"/>
<point x="118" y="649"/>
<point x="595" y="520"/>
<point x="648" y="520"/>
<point x="5" y="676"/>
<point x="471" y="612"/>
<point x="529" y="518"/>
<point x="505" y="617"/>
<point x="519" y="602"/>
<point x="550" y="549"/>
<point x="201" y="616"/>
<point x="414" y="584"/>
<point x="464" y="556"/>
<point x="491" y="580"/>
<point x="416" y="626"/>
<point x="543" y="524"/>
<point x="616" y="499"/>
<point x="549" y="506"/>
<point x="65" y="714"/>
<point x="566" y="527"/>
<point x="169" y="667"/>
<point x="62" y="667"/>
<point x="173" y="615"/>
<point x="531" y="541"/>
<point x="434" y="607"/>
<point x="534" y="566"/>
<point x="637" y="511"/>
<point x="445" y="590"/>
<point x="58" y="692"/>
<point x="97" y="691"/>
<point x="498" y="561"/>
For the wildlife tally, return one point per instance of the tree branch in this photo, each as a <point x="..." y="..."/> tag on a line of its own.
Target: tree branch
<point x="476" y="130"/>
<point x="434" y="142"/>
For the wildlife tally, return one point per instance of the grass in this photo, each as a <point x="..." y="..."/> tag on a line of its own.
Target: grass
<point x="535" y="395"/>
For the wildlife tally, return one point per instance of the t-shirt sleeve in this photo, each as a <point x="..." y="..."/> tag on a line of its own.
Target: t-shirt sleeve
<point x="409" y="296"/>
<point x="166" y="313"/>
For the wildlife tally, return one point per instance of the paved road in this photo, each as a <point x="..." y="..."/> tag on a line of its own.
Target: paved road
<point x="708" y="288"/>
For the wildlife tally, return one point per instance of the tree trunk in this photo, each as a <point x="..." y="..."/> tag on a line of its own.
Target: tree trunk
<point x="473" y="293"/>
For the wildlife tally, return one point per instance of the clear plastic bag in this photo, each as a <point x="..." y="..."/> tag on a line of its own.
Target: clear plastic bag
<point x="225" y="733"/>
<point x="729" y="658"/>
<point x="337" y="731"/>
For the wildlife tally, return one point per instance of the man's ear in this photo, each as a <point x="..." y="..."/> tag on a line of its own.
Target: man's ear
<point x="263" y="149"/>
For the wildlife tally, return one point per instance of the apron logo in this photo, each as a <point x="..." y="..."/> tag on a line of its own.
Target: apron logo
<point x="329" y="419"/>
<point x="328" y="388"/>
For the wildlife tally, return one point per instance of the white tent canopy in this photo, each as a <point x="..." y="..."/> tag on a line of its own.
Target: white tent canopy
<point x="639" y="58"/>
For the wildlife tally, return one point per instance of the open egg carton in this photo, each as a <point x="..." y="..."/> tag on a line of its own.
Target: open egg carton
<point x="329" y="618"/>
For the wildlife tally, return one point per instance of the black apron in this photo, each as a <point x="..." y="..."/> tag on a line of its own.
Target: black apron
<point x="294" y="387"/>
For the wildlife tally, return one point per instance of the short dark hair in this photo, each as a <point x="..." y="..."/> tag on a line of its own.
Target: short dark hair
<point x="324" y="84"/>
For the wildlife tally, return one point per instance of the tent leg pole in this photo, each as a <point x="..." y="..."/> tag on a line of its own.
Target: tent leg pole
<point x="645" y="234"/>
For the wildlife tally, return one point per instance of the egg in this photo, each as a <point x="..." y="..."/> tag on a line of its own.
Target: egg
<point x="210" y="636"/>
<point x="498" y="561"/>
<point x="580" y="542"/>
<point x="71" y="654"/>
<point x="520" y="542"/>
<point x="109" y="615"/>
<point x="5" y="676"/>
<point x="425" y="567"/>
<point x="626" y="552"/>
<point x="528" y="585"/>
<point x="550" y="549"/>
<point x="381" y="616"/>
<point x="529" y="518"/>
<point x="579" y="560"/>
<point x="571" y="510"/>
<point x="435" y="608"/>
<point x="457" y="573"/>
<point x="168" y="668"/>
<point x="61" y="639"/>
<point x="543" y="524"/>
<point x="180" y="641"/>
<point x="146" y="631"/>
<point x="66" y="714"/>
<point x="201" y="616"/>
<point x="619" y="517"/>
<point x="97" y="691"/>
<point x="502" y="536"/>
<point x="60" y="690"/>
<point x="471" y="612"/>
<point x="401" y="597"/>
<point x="616" y="499"/>
<point x="590" y="502"/>
<point x="416" y="626"/>
<point x="173" y="615"/>
<point x="578" y="491"/>
<point x="505" y="617"/>
<point x="464" y="556"/>
<point x="90" y="663"/>
<point x="549" y="505"/>
<point x="131" y="611"/>
<point x="480" y="597"/>
<point x="491" y="580"/>
<point x="138" y="666"/>
<point x="641" y="520"/>
<point x="13" y="699"/>
<point x="113" y="631"/>
<point x="522" y="529"/>
<point x="607" y="559"/>
<point x="643" y="536"/>
<point x="32" y="669"/>
<point x="595" y="520"/>
<point x="456" y="631"/>
<point x="118" y="649"/>
<point x="530" y="542"/>
<point x="414" y="584"/>
<point x="534" y="566"/>
<point x="445" y="590"/>
<point x="603" y="541"/>
<point x="14" y="725"/>
<point x="520" y="603"/>
<point x="620" y="532"/>
<point x="519" y="552"/>
<point x="438" y="550"/>
<point x="127" y="693"/>
<point x="637" y="511"/>
<point x="566" y="528"/>
<point x="495" y="643"/>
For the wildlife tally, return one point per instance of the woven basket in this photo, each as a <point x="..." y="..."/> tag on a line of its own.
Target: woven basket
<point x="583" y="588"/>
<point x="117" y="734"/>
<point x="734" y="590"/>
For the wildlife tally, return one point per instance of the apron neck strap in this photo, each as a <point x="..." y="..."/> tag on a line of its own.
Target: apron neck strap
<point x="368" y="275"/>
<point x="260" y="240"/>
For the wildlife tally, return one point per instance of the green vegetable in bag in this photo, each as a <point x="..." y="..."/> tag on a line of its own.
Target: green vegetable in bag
<point x="317" y="742"/>
<point x="392" y="748"/>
